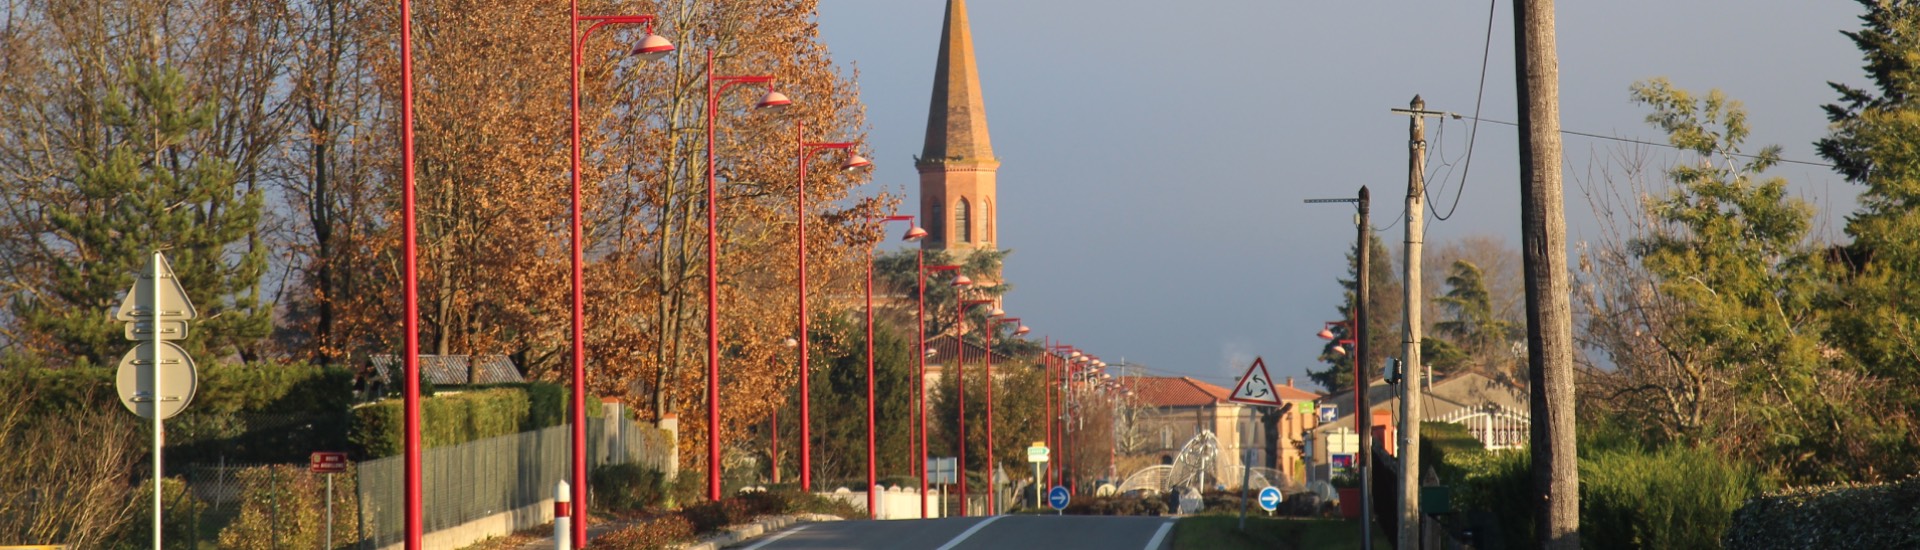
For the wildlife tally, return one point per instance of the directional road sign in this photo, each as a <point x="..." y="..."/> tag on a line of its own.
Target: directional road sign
<point x="1270" y="498"/>
<point x="1038" y="452"/>
<point x="135" y="380"/>
<point x="1256" y="387"/>
<point x="1057" y="497"/>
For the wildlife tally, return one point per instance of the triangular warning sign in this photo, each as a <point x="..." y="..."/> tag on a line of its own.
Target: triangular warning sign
<point x="170" y="302"/>
<point x="1256" y="387"/>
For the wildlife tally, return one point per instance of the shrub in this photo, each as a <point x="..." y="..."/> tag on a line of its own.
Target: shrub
<point x="284" y="506"/>
<point x="1629" y="498"/>
<point x="626" y="487"/>
<point x="659" y="534"/>
<point x="1885" y="515"/>
<point x="1670" y="498"/>
<point x="179" y="509"/>
<point x="1448" y="448"/>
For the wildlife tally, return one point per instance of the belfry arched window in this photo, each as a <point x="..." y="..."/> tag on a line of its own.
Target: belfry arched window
<point x="962" y="223"/>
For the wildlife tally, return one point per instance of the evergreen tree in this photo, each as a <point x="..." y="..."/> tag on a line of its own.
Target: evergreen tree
<point x="1731" y="251"/>
<point x="1384" y="306"/>
<point x="1871" y="143"/>
<point x="148" y="188"/>
<point x="1474" y="334"/>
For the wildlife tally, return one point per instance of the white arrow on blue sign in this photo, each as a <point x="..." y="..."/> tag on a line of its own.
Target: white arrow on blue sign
<point x="1058" y="497"/>
<point x="1270" y="498"/>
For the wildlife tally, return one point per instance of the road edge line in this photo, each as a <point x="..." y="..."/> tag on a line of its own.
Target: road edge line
<point x="1158" y="536"/>
<point x="968" y="533"/>
<point x="778" y="536"/>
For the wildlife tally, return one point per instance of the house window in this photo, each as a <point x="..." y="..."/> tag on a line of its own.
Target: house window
<point x="962" y="225"/>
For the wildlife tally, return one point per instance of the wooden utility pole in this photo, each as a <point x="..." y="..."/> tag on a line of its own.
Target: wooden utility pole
<point x="1409" y="498"/>
<point x="1363" y="410"/>
<point x="1543" y="240"/>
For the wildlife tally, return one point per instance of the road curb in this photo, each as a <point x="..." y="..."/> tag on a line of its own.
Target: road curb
<point x="736" y="534"/>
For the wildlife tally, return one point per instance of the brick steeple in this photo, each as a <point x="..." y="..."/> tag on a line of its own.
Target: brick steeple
<point x="957" y="167"/>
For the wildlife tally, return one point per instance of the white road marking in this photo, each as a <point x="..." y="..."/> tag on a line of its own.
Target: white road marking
<point x="1154" y="543"/>
<point x="969" y="532"/>
<point x="776" y="536"/>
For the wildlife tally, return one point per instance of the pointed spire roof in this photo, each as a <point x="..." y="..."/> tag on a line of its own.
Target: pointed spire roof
<point x="957" y="117"/>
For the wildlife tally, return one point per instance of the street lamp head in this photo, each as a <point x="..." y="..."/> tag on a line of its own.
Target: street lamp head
<point x="792" y="343"/>
<point x="932" y="351"/>
<point x="1326" y="334"/>
<point x="961" y="280"/>
<point x="773" y="100"/>
<point x="1074" y="355"/>
<point x="997" y="312"/>
<point x="914" y="234"/>
<point x="653" y="47"/>
<point x="1022" y="330"/>
<point x="1340" y="349"/>
<point x="855" y="162"/>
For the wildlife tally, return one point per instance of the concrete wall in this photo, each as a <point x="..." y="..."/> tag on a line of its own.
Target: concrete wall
<point x="893" y="502"/>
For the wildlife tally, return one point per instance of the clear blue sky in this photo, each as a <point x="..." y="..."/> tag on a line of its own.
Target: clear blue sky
<point x="1156" y="154"/>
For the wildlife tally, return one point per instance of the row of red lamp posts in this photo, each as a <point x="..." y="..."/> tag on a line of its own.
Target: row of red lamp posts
<point x="651" y="47"/>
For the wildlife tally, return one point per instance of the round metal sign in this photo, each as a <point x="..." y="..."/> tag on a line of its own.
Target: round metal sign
<point x="135" y="380"/>
<point x="1270" y="498"/>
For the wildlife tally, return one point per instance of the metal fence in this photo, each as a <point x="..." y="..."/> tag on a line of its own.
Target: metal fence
<point x="470" y="481"/>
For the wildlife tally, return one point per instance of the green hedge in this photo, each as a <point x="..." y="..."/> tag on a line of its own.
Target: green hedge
<point x="1669" y="498"/>
<point x="1448" y="449"/>
<point x="1629" y="498"/>
<point x="243" y="413"/>
<point x="1885" y="515"/>
<point x="453" y="418"/>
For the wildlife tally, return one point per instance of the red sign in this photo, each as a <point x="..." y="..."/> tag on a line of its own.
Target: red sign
<point x="1256" y="387"/>
<point x="327" y="462"/>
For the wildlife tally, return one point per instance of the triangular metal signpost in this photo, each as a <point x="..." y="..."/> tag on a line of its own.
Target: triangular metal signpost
<point x="158" y="310"/>
<point x="1256" y="386"/>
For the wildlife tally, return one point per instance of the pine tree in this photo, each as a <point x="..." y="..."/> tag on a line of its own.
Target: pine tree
<point x="149" y="188"/>
<point x="1384" y="307"/>
<point x="1871" y="143"/>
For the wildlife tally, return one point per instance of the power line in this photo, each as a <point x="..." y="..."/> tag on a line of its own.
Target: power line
<point x="1478" y="98"/>
<point x="1641" y="142"/>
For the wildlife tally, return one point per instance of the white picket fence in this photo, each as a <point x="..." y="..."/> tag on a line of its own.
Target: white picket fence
<point x="1495" y="426"/>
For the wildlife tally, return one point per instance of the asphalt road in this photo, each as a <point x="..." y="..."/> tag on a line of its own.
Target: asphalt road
<point x="999" y="532"/>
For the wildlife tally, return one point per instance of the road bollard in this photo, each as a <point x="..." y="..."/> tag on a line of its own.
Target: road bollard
<point x="563" y="517"/>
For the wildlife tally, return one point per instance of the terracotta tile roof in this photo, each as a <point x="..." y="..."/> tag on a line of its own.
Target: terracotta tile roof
<point x="1176" y="392"/>
<point x="1167" y="391"/>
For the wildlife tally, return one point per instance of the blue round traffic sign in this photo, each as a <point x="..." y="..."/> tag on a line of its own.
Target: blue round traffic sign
<point x="1057" y="497"/>
<point x="1270" y="498"/>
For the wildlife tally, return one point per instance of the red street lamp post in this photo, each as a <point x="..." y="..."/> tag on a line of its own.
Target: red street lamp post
<point x="652" y="47"/>
<point x="411" y="302"/>
<point x="1057" y="358"/>
<point x="920" y="387"/>
<point x="771" y="99"/>
<point x="914" y="233"/>
<point x="807" y="149"/>
<point x="960" y="393"/>
<point x="992" y="328"/>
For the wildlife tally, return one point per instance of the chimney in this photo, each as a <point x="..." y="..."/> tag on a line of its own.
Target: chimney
<point x="1289" y="381"/>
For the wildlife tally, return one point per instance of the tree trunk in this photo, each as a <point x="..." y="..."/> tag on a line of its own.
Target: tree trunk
<point x="1556" y="479"/>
